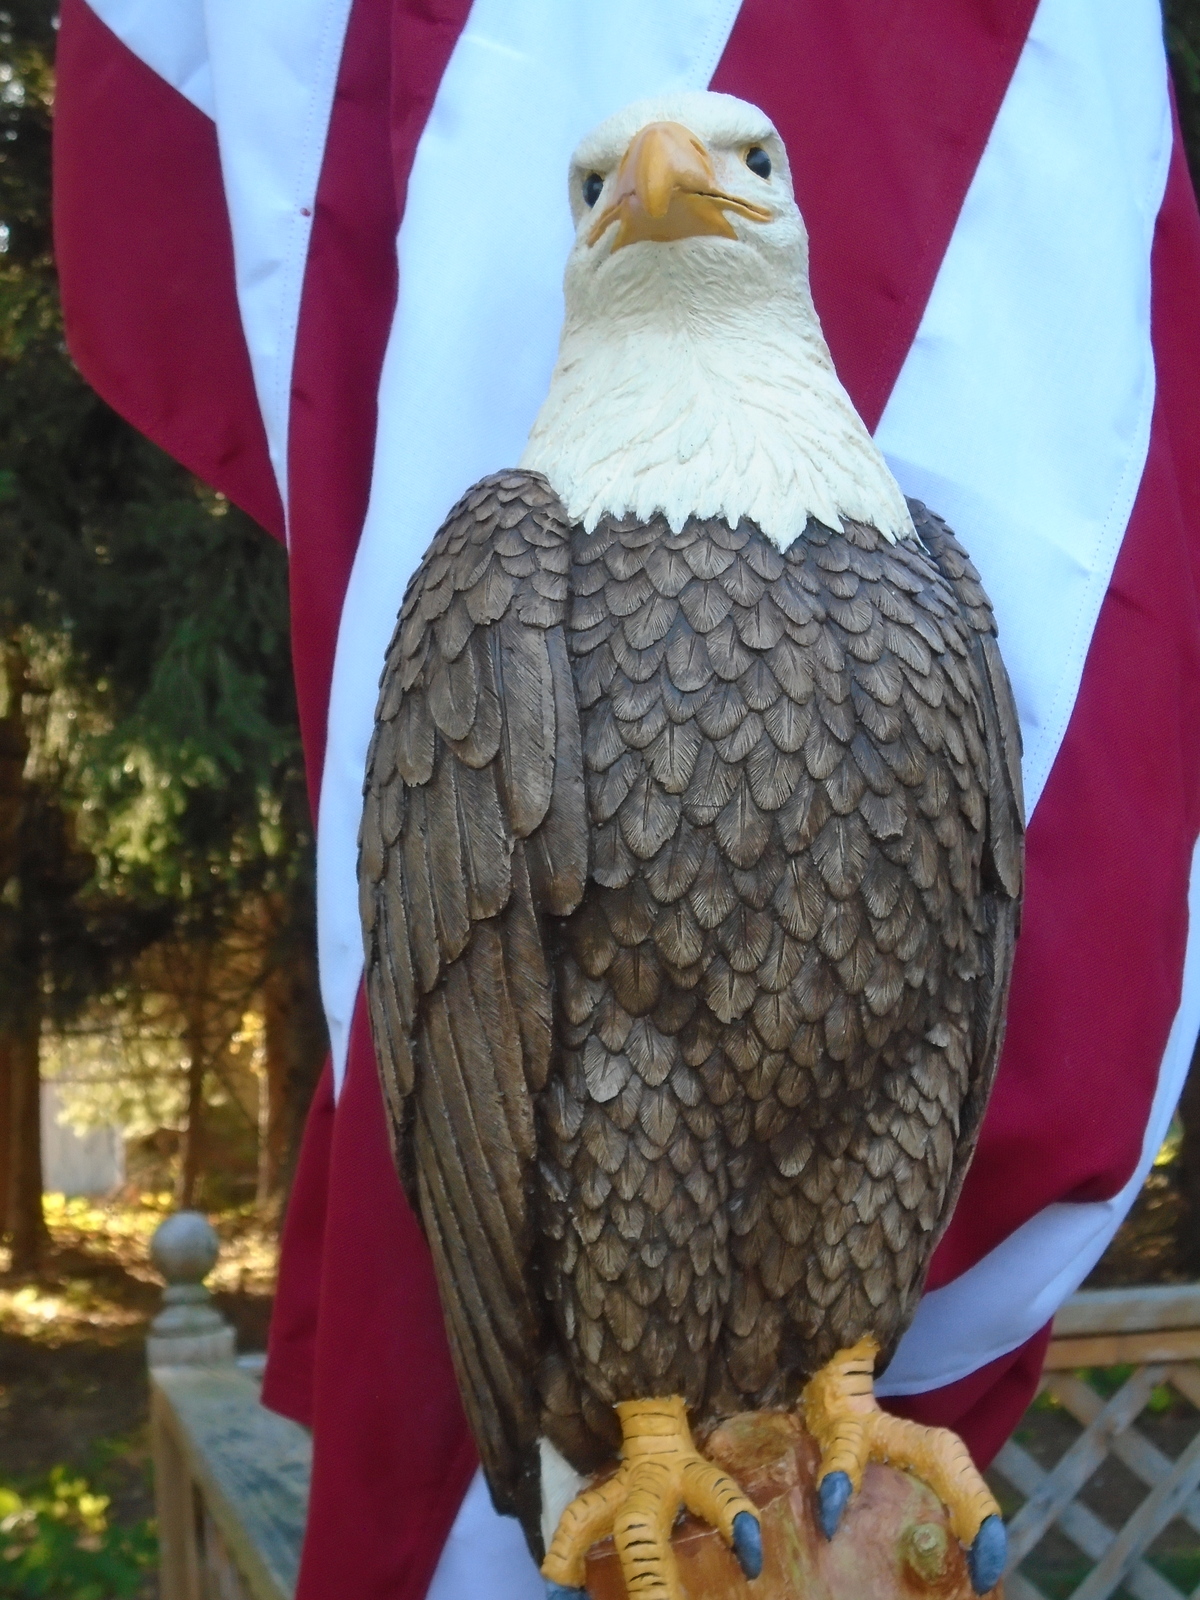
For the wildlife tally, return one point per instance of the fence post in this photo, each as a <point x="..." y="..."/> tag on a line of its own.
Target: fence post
<point x="188" y="1331"/>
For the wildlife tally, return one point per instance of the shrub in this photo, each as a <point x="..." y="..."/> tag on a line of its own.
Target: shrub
<point x="56" y="1541"/>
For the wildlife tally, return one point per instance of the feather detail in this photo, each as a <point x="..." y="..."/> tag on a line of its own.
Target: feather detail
<point x="479" y="750"/>
<point x="695" y="934"/>
<point x="527" y="736"/>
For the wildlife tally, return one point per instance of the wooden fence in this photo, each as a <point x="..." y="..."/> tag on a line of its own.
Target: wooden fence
<point x="231" y="1487"/>
<point x="1141" y="1350"/>
<point x="231" y="1479"/>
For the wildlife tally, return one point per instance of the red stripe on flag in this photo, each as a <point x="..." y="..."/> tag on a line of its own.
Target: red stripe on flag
<point x="379" y="112"/>
<point x="295" y="1314"/>
<point x="885" y="112"/>
<point x="346" y="309"/>
<point x="423" y="37"/>
<point x="358" y="1347"/>
<point x="392" y="1451"/>
<point x="145" y="263"/>
<point x="1175" y="327"/>
<point x="1100" y="959"/>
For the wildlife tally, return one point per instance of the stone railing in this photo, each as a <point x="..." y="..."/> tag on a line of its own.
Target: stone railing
<point x="230" y="1478"/>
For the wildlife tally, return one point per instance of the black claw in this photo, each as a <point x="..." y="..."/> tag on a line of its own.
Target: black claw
<point x="985" y="1560"/>
<point x="747" y="1543"/>
<point x="833" y="1491"/>
<point x="558" y="1591"/>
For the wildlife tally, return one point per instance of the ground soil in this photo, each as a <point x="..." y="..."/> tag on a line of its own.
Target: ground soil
<point x="72" y="1344"/>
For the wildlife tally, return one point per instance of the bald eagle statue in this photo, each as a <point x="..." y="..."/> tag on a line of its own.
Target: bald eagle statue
<point x="690" y="873"/>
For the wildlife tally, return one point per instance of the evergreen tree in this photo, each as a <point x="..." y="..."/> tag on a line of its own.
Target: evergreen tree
<point x="151" y="782"/>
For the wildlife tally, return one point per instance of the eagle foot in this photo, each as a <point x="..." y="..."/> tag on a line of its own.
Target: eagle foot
<point x="843" y="1416"/>
<point x="661" y="1473"/>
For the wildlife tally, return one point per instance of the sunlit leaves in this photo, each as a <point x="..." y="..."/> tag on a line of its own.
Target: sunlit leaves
<point x="57" y="1539"/>
<point x="1182" y="23"/>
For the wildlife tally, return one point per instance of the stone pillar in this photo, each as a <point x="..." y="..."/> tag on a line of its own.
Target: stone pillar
<point x="189" y="1330"/>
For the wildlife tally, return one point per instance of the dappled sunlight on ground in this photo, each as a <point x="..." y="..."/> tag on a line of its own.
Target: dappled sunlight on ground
<point x="70" y="1309"/>
<point x="98" y="1284"/>
<point x="249" y="1253"/>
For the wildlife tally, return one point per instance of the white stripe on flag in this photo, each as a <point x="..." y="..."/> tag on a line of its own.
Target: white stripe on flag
<point x="1022" y="414"/>
<point x="482" y="247"/>
<point x="1033" y="450"/>
<point x="266" y="73"/>
<point x="171" y="37"/>
<point x="485" y="1554"/>
<point x="275" y="67"/>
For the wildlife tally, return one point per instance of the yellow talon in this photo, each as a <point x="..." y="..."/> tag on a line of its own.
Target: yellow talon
<point x="843" y="1416"/>
<point x="661" y="1471"/>
<point x="588" y="1518"/>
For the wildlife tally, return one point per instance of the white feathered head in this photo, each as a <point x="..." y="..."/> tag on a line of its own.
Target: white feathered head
<point x="692" y="377"/>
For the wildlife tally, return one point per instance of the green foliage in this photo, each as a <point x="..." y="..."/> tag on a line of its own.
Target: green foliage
<point x="165" y="763"/>
<point x="26" y="96"/>
<point x="194" y="790"/>
<point x="1181" y="20"/>
<point x="56" y="1540"/>
<point x="158" y="614"/>
<point x="161" y="809"/>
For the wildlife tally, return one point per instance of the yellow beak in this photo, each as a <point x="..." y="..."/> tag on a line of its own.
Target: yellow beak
<point x="666" y="189"/>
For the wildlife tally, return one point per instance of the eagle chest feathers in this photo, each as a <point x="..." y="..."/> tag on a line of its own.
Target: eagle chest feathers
<point x="689" y="874"/>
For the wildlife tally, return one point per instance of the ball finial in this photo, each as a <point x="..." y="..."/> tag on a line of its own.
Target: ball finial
<point x="189" y="1330"/>
<point x="184" y="1247"/>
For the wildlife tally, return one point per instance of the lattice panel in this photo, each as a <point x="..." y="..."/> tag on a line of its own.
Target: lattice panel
<point x="1051" y="1499"/>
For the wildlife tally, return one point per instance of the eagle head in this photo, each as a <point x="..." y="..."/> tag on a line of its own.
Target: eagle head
<point x="689" y="167"/>
<point x="693" y="378"/>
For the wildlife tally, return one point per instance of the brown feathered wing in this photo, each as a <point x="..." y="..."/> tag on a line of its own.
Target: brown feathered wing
<point x="1004" y="851"/>
<point x="475" y="825"/>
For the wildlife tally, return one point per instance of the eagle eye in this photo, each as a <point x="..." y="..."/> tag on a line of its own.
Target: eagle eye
<point x="592" y="186"/>
<point x="758" y="161"/>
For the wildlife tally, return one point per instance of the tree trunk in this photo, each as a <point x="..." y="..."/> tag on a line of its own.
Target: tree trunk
<point x="277" y="1052"/>
<point x="20" y="999"/>
<point x="196" y="1041"/>
<point x="193" y="1132"/>
<point x="6" y="1135"/>
<point x="266" y="1164"/>
<point x="26" y="1219"/>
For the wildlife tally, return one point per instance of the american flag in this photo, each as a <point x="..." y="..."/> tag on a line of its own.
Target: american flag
<point x="313" y="249"/>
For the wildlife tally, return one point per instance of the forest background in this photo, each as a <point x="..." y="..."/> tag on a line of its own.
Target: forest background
<point x="157" y="949"/>
<point x="156" y="857"/>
